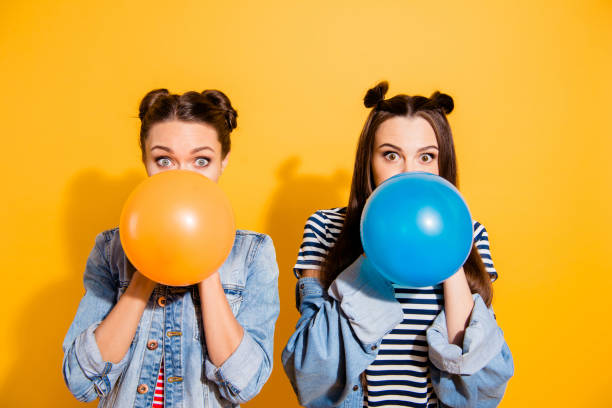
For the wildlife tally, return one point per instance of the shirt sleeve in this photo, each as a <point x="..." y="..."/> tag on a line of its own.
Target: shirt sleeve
<point x="481" y="242"/>
<point x="315" y="244"/>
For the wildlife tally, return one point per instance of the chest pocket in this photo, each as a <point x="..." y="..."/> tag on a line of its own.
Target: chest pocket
<point x="234" y="295"/>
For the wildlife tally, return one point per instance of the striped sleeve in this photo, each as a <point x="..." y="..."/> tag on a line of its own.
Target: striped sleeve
<point x="315" y="244"/>
<point x="481" y="241"/>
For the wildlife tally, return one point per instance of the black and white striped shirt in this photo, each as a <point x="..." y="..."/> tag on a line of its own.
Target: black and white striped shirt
<point x="399" y="376"/>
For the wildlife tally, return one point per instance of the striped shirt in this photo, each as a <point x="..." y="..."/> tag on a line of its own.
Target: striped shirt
<point x="399" y="376"/>
<point x="158" y="396"/>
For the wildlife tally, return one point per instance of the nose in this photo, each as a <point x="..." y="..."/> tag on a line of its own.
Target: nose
<point x="410" y="167"/>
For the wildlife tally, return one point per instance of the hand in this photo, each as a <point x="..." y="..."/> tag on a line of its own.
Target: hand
<point x="222" y="331"/>
<point x="455" y="278"/>
<point x="458" y="305"/>
<point x="141" y="284"/>
<point x="212" y="280"/>
<point x="116" y="332"/>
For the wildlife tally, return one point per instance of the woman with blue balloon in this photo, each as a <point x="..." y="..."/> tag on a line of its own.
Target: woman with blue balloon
<point x="395" y="289"/>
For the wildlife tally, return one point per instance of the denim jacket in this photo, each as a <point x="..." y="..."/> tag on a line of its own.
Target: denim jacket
<point x="339" y="332"/>
<point x="171" y="327"/>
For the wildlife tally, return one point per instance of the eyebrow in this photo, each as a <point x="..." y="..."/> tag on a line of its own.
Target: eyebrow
<point x="398" y="148"/>
<point x="167" y="149"/>
<point x="422" y="149"/>
<point x="391" y="146"/>
<point x="197" y="149"/>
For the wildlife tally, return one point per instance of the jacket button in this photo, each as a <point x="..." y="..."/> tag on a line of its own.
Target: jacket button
<point x="143" y="388"/>
<point x="161" y="301"/>
<point x="373" y="348"/>
<point x="355" y="387"/>
<point x="152" y="345"/>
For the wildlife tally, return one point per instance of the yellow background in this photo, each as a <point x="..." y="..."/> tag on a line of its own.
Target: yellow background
<point x="531" y="82"/>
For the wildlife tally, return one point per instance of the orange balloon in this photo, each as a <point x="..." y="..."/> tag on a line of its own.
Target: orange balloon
<point x="177" y="227"/>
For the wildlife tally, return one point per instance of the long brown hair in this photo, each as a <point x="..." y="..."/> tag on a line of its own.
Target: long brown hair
<point x="211" y="107"/>
<point x="433" y="109"/>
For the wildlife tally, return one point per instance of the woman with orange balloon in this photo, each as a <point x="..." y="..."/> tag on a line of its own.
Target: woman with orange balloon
<point x="179" y="307"/>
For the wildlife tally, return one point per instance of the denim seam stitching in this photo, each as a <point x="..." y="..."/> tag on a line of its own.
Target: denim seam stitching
<point x="255" y="251"/>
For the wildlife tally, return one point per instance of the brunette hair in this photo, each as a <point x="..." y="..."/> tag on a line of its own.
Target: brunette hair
<point x="211" y="107"/>
<point x="434" y="110"/>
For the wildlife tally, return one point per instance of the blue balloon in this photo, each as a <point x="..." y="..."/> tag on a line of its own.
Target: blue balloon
<point x="416" y="229"/>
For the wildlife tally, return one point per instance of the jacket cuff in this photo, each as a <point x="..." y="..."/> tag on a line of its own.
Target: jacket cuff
<point x="368" y="301"/>
<point x="307" y="288"/>
<point x="482" y="341"/>
<point x="239" y="368"/>
<point x="91" y="362"/>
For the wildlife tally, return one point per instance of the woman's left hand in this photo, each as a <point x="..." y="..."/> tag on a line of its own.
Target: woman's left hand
<point x="211" y="280"/>
<point x="458" y="305"/>
<point x="222" y="331"/>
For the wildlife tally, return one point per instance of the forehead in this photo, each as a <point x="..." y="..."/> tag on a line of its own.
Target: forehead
<point x="407" y="132"/>
<point x="178" y="134"/>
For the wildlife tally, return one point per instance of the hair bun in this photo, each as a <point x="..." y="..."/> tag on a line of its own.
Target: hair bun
<point x="221" y="100"/>
<point x="149" y="100"/>
<point x="376" y="94"/>
<point x="444" y="101"/>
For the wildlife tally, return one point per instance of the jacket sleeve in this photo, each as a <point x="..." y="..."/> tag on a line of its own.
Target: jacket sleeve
<point x="476" y="374"/>
<point x="246" y="370"/>
<point x="338" y="334"/>
<point x="86" y="374"/>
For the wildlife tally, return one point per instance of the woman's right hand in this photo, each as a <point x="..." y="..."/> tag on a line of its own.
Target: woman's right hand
<point x="116" y="332"/>
<point x="141" y="285"/>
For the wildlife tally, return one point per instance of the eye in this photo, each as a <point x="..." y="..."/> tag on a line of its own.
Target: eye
<point x="427" y="157"/>
<point x="163" y="161"/>
<point x="202" y="162"/>
<point x="391" y="156"/>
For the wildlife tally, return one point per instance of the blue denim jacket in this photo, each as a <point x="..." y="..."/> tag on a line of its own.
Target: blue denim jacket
<point x="338" y="335"/>
<point x="250" y="280"/>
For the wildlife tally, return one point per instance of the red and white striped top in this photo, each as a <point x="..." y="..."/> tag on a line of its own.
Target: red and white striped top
<point x="158" y="396"/>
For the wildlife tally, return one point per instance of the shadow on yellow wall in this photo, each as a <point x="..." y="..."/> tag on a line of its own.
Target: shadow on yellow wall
<point x="294" y="199"/>
<point x="92" y="203"/>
